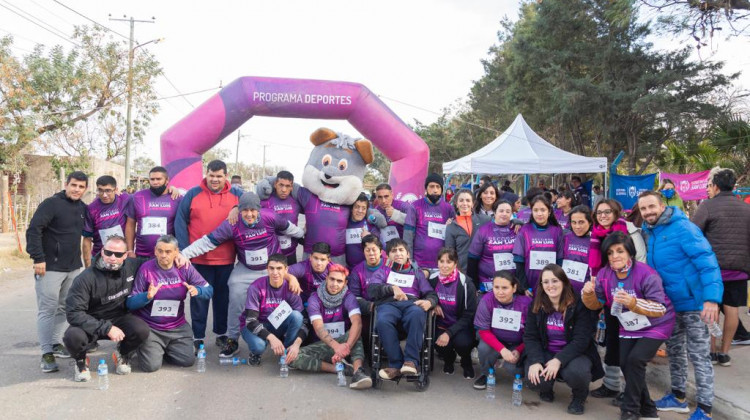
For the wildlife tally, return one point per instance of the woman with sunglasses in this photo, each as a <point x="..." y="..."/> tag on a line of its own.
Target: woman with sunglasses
<point x="576" y="244"/>
<point x="645" y="323"/>
<point x="559" y="340"/>
<point x="458" y="235"/>
<point x="538" y="244"/>
<point x="491" y="248"/>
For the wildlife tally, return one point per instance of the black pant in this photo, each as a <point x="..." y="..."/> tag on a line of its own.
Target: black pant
<point x="612" y="354"/>
<point x="461" y="343"/>
<point x="135" y="329"/>
<point x="635" y="353"/>
<point x="577" y="374"/>
<point x="291" y="259"/>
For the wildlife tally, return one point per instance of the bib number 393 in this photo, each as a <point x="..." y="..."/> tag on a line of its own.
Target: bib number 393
<point x="165" y="308"/>
<point x="400" y="280"/>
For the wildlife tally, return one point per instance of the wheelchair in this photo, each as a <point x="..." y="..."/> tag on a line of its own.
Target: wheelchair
<point x="379" y="358"/>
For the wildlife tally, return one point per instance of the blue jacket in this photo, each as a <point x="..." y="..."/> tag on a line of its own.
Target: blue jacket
<point x="682" y="256"/>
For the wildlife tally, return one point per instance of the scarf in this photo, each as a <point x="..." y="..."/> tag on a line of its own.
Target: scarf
<point x="399" y="267"/>
<point x="450" y="278"/>
<point x="331" y="301"/>
<point x="598" y="233"/>
<point x="625" y="269"/>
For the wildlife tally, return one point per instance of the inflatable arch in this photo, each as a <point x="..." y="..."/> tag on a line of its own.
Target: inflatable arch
<point x="183" y="144"/>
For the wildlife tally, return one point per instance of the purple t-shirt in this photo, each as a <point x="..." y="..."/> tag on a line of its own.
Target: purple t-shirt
<point x="154" y="217"/>
<point x="733" y="275"/>
<point x="429" y="221"/>
<point x="555" y="332"/>
<point x="576" y="260"/>
<point x="642" y="282"/>
<point x="537" y="248"/>
<point x="447" y="300"/>
<point x="253" y="243"/>
<point x="289" y="210"/>
<point x="393" y="228"/>
<point x="337" y="320"/>
<point x="562" y="219"/>
<point x="264" y="298"/>
<point x="524" y="214"/>
<point x="493" y="245"/>
<point x="105" y="220"/>
<point x="308" y="279"/>
<point x="505" y="316"/>
<point x="354" y="253"/>
<point x="360" y="277"/>
<point x="325" y="222"/>
<point x="167" y="310"/>
<point x="411" y="281"/>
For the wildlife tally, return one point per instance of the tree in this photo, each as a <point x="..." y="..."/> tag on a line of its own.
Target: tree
<point x="702" y="18"/>
<point x="72" y="102"/>
<point x="142" y="164"/>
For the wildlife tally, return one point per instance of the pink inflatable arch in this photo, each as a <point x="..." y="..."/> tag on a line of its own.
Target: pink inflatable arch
<point x="183" y="144"/>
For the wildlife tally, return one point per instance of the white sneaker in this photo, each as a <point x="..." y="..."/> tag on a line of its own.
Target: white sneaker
<point x="122" y="365"/>
<point x="83" y="374"/>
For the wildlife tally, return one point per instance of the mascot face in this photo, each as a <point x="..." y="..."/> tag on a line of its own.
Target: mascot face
<point x="336" y="166"/>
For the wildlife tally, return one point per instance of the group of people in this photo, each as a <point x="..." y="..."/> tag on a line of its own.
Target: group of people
<point x="522" y="280"/>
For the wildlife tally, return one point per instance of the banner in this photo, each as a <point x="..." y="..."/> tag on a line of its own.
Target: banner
<point x="626" y="189"/>
<point x="689" y="186"/>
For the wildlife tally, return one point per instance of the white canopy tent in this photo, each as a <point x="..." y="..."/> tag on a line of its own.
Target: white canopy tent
<point x="519" y="150"/>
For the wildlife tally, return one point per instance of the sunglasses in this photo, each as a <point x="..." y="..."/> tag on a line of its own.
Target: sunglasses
<point x="109" y="253"/>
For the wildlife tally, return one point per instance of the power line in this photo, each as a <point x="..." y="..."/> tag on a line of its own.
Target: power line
<point x="39" y="20"/>
<point x="52" y="13"/>
<point x="108" y="29"/>
<point x="184" y="97"/>
<point x="21" y="36"/>
<point x="37" y="24"/>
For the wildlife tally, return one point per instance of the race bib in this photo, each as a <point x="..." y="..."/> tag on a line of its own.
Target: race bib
<point x="504" y="319"/>
<point x="400" y="280"/>
<point x="632" y="321"/>
<point x="280" y="314"/>
<point x="538" y="259"/>
<point x="285" y="242"/>
<point x="503" y="261"/>
<point x="165" y="308"/>
<point x="575" y="270"/>
<point x="256" y="256"/>
<point x="436" y="230"/>
<point x="335" y="329"/>
<point x="154" y="226"/>
<point x="105" y="234"/>
<point x="354" y="236"/>
<point x="388" y="233"/>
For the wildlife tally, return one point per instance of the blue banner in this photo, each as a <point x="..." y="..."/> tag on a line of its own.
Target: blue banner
<point x="625" y="188"/>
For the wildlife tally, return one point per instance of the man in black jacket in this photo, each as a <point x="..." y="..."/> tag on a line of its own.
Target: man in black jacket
<point x="53" y="240"/>
<point x="96" y="308"/>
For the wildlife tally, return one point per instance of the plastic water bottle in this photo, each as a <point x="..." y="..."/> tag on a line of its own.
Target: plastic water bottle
<point x="616" y="309"/>
<point x="235" y="361"/>
<point x="517" y="398"/>
<point x="200" y="363"/>
<point x="102" y="371"/>
<point x="284" y="368"/>
<point x="601" y="330"/>
<point x="491" y="385"/>
<point x="340" y="374"/>
<point x="715" y="329"/>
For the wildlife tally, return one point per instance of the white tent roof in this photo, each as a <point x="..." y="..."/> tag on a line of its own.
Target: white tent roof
<point x="519" y="150"/>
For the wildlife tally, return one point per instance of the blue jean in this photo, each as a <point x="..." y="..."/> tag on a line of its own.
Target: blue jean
<point x="287" y="333"/>
<point x="413" y="318"/>
<point x="217" y="276"/>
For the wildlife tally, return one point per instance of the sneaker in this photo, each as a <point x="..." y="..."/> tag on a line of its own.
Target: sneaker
<point x="469" y="372"/>
<point x="60" y="351"/>
<point x="221" y="341"/>
<point x="360" y="380"/>
<point x="670" y="403"/>
<point x="83" y="374"/>
<point x="628" y="415"/>
<point x="48" y="363"/>
<point x="741" y="340"/>
<point x="576" y="407"/>
<point x="724" y="359"/>
<point x="649" y="414"/>
<point x="348" y="370"/>
<point x="481" y="383"/>
<point x="548" y="396"/>
<point x="617" y="401"/>
<point x="409" y="369"/>
<point x="122" y="364"/>
<point x="714" y="358"/>
<point x="389" y="373"/>
<point x="230" y="348"/>
<point x="699" y="414"/>
<point x="604" y="392"/>
<point x="254" y="359"/>
<point x="448" y="368"/>
<point x="197" y="344"/>
<point x="475" y="356"/>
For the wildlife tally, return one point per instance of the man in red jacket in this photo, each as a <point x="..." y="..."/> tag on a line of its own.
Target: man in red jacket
<point x="202" y="209"/>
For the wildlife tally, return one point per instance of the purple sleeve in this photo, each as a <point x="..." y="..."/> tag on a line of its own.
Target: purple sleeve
<point x="279" y="223"/>
<point x="353" y="283"/>
<point x="424" y="285"/>
<point x="295" y="301"/>
<point x="129" y="210"/>
<point x="519" y="247"/>
<point x="483" y="317"/>
<point x="477" y="242"/>
<point x="88" y="222"/>
<point x="411" y="216"/>
<point x="223" y="232"/>
<point x="313" y="307"/>
<point x="297" y="270"/>
<point x="652" y="289"/>
<point x="141" y="282"/>
<point x="303" y="196"/>
<point x="379" y="277"/>
<point x="193" y="277"/>
<point x="451" y="211"/>
<point x="560" y="243"/>
<point x="601" y="294"/>
<point x="350" y="304"/>
<point x="253" y="298"/>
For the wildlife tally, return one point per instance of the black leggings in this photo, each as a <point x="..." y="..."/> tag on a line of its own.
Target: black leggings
<point x="461" y="343"/>
<point x="635" y="353"/>
<point x="136" y="332"/>
<point x="612" y="354"/>
<point x="577" y="374"/>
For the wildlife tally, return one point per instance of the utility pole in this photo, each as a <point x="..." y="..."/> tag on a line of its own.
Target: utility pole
<point x="131" y="53"/>
<point x="264" y="160"/>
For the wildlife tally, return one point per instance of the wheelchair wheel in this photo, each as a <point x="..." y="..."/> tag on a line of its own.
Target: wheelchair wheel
<point x="423" y="384"/>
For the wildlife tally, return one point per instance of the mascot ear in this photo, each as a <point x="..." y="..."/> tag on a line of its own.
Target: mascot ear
<point x="322" y="135"/>
<point x="364" y="147"/>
